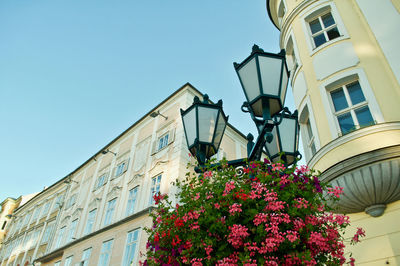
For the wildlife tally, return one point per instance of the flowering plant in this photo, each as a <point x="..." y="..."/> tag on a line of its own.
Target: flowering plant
<point x="267" y="215"/>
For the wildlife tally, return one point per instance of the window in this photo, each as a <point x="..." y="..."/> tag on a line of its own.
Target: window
<point x="47" y="233"/>
<point x="350" y="107"/>
<point x="291" y="58"/>
<point x="310" y="137"/>
<point x="27" y="218"/>
<point x="59" y="237"/>
<point x="155" y="188"/>
<point x="105" y="253"/>
<point x="68" y="261"/>
<point x="58" y="263"/>
<point x="86" y="257"/>
<point x="281" y="11"/>
<point x="90" y="221"/>
<point x="101" y="181"/>
<point x="72" y="229"/>
<point x="46" y="208"/>
<point x="130" y="208"/>
<point x="58" y="204"/>
<point x="109" y="211"/>
<point x="35" y="237"/>
<point x="71" y="201"/>
<point x="121" y="168"/>
<point x="130" y="249"/>
<point x="163" y="141"/>
<point x="28" y="240"/>
<point x="323" y="29"/>
<point x="36" y="213"/>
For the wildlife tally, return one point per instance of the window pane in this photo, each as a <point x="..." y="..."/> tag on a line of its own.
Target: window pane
<point x="319" y="39"/>
<point x="364" y="116"/>
<point x="339" y="100"/>
<point x="315" y="26"/>
<point x="333" y="33"/>
<point x="346" y="123"/>
<point x="355" y="92"/>
<point x="328" y="20"/>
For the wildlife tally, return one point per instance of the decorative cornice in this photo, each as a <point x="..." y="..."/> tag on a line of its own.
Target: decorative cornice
<point x="134" y="178"/>
<point x="351" y="136"/>
<point x="370" y="181"/>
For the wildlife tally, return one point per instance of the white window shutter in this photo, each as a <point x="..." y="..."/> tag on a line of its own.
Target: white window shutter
<point x="171" y="136"/>
<point x="154" y="147"/>
<point x="126" y="165"/>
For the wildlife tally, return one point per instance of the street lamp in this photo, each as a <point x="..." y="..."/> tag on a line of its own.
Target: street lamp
<point x="264" y="79"/>
<point x="204" y="124"/>
<point x="285" y="141"/>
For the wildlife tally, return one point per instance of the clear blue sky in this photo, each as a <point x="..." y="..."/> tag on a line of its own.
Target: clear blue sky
<point x="75" y="74"/>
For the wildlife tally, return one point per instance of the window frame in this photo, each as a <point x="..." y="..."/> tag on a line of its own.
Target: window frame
<point x="85" y="261"/>
<point x="98" y="184"/>
<point x="351" y="108"/>
<point x="109" y="212"/>
<point x="131" y="209"/>
<point x="324" y="30"/>
<point x="68" y="260"/>
<point x="339" y="79"/>
<point x="59" y="240"/>
<point x="72" y="230"/>
<point x="151" y="199"/>
<point x="92" y="220"/>
<point x="107" y="252"/>
<point x="319" y="9"/>
<point x="135" y="252"/>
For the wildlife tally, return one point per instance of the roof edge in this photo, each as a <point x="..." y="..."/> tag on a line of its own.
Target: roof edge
<point x="269" y="14"/>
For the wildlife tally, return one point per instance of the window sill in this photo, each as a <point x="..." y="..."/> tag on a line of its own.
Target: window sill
<point x="329" y="43"/>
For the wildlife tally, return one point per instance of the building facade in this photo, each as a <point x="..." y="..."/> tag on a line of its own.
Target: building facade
<point x="96" y="214"/>
<point x="345" y="74"/>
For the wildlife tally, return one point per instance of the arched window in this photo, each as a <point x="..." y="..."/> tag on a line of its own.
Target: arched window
<point x="308" y="133"/>
<point x="281" y="11"/>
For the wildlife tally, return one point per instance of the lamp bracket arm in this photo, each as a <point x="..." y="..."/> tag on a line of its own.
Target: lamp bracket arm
<point x="265" y="135"/>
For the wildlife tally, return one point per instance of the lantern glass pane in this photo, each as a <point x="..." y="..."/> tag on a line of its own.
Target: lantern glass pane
<point x="189" y="123"/>
<point x="220" y="130"/>
<point x="273" y="147"/>
<point x="284" y="84"/>
<point x="270" y="70"/>
<point x="248" y="76"/>
<point x="207" y="122"/>
<point x="287" y="131"/>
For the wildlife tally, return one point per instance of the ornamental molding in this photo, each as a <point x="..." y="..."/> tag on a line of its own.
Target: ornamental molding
<point x="77" y="212"/>
<point x="113" y="192"/>
<point x="94" y="203"/>
<point x="65" y="220"/>
<point x="135" y="178"/>
<point x="370" y="181"/>
<point x="352" y="136"/>
<point x="159" y="162"/>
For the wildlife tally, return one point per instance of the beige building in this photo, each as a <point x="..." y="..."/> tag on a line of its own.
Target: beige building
<point x="344" y="59"/>
<point x="96" y="214"/>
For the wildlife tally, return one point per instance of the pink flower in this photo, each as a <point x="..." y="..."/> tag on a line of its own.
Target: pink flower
<point x="336" y="191"/>
<point x="360" y="232"/>
<point x="237" y="234"/>
<point x="217" y="206"/>
<point x="291" y="236"/>
<point x="208" y="174"/>
<point x="228" y="187"/>
<point x="260" y="218"/>
<point x="197" y="196"/>
<point x="235" y="208"/>
<point x="351" y="262"/>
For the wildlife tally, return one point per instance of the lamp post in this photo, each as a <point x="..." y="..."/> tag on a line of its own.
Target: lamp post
<point x="264" y="79"/>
